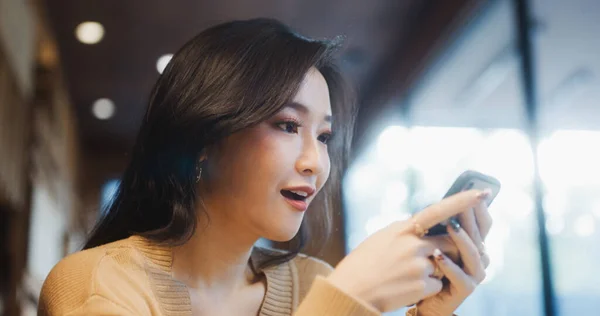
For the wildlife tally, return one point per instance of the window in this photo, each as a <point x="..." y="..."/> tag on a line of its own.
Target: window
<point x="410" y="168"/>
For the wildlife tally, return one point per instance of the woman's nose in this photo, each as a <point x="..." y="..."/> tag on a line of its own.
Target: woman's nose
<point x="311" y="159"/>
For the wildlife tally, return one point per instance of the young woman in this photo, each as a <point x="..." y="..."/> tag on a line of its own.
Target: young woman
<point x="246" y="131"/>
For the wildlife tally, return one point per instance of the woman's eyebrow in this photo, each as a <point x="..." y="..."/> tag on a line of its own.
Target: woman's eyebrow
<point x="305" y="110"/>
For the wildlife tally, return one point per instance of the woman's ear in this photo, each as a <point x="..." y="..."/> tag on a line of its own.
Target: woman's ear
<point x="203" y="155"/>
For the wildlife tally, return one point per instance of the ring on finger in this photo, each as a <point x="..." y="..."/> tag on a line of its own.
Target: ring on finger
<point x="419" y="230"/>
<point x="485" y="261"/>
<point x="437" y="272"/>
<point x="485" y="258"/>
<point x="481" y="250"/>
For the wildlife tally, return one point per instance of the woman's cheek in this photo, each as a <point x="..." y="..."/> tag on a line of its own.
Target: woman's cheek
<point x="277" y="147"/>
<point x="327" y="171"/>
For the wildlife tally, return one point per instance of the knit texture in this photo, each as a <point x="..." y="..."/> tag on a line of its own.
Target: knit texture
<point x="133" y="277"/>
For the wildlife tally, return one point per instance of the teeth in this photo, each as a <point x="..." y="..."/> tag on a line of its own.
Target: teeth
<point x="301" y="193"/>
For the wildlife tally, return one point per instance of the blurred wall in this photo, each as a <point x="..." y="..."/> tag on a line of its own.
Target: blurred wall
<point x="17" y="34"/>
<point x="15" y="112"/>
<point x="38" y="156"/>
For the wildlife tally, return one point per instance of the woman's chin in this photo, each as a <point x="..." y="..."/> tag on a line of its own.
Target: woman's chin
<point x="283" y="234"/>
<point x="281" y="226"/>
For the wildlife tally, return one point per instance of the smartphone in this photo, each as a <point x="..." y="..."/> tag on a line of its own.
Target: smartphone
<point x="466" y="181"/>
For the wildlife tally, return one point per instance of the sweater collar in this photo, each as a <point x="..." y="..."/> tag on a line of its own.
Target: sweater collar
<point x="281" y="297"/>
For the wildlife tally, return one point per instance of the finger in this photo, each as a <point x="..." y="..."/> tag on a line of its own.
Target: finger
<point x="448" y="207"/>
<point x="422" y="289"/>
<point x="437" y="272"/>
<point x="445" y="244"/>
<point x="457" y="277"/>
<point x="469" y="224"/>
<point x="469" y="254"/>
<point x="483" y="219"/>
<point x="419" y="247"/>
<point x="433" y="286"/>
<point x="425" y="267"/>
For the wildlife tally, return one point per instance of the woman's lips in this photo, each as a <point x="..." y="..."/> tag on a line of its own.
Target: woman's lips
<point x="295" y="200"/>
<point x="297" y="204"/>
<point x="297" y="196"/>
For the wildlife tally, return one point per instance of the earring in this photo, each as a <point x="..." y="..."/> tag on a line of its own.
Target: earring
<point x="199" y="169"/>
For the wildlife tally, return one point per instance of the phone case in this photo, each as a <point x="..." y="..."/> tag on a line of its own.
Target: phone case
<point x="468" y="180"/>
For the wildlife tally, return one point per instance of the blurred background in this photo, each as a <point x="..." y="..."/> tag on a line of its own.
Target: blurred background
<point x="504" y="87"/>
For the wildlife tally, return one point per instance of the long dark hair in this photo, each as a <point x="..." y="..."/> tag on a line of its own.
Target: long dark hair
<point x="229" y="77"/>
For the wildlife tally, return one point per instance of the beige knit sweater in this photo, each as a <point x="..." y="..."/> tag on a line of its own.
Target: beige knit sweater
<point x="133" y="277"/>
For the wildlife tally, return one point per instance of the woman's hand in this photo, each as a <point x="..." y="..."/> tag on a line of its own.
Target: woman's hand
<point x="469" y="239"/>
<point x="391" y="269"/>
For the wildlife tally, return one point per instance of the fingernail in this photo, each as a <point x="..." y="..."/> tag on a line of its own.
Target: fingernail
<point x="439" y="256"/>
<point x="484" y="194"/>
<point x="452" y="222"/>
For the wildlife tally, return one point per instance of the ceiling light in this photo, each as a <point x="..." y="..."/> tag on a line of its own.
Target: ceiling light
<point x="103" y="109"/>
<point x="89" y="32"/>
<point x="162" y="62"/>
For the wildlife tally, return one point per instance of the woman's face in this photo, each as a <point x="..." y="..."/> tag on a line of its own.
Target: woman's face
<point x="249" y="183"/>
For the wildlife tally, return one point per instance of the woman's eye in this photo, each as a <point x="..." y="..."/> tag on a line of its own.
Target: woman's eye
<point x="289" y="127"/>
<point x="292" y="127"/>
<point x="324" y="138"/>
